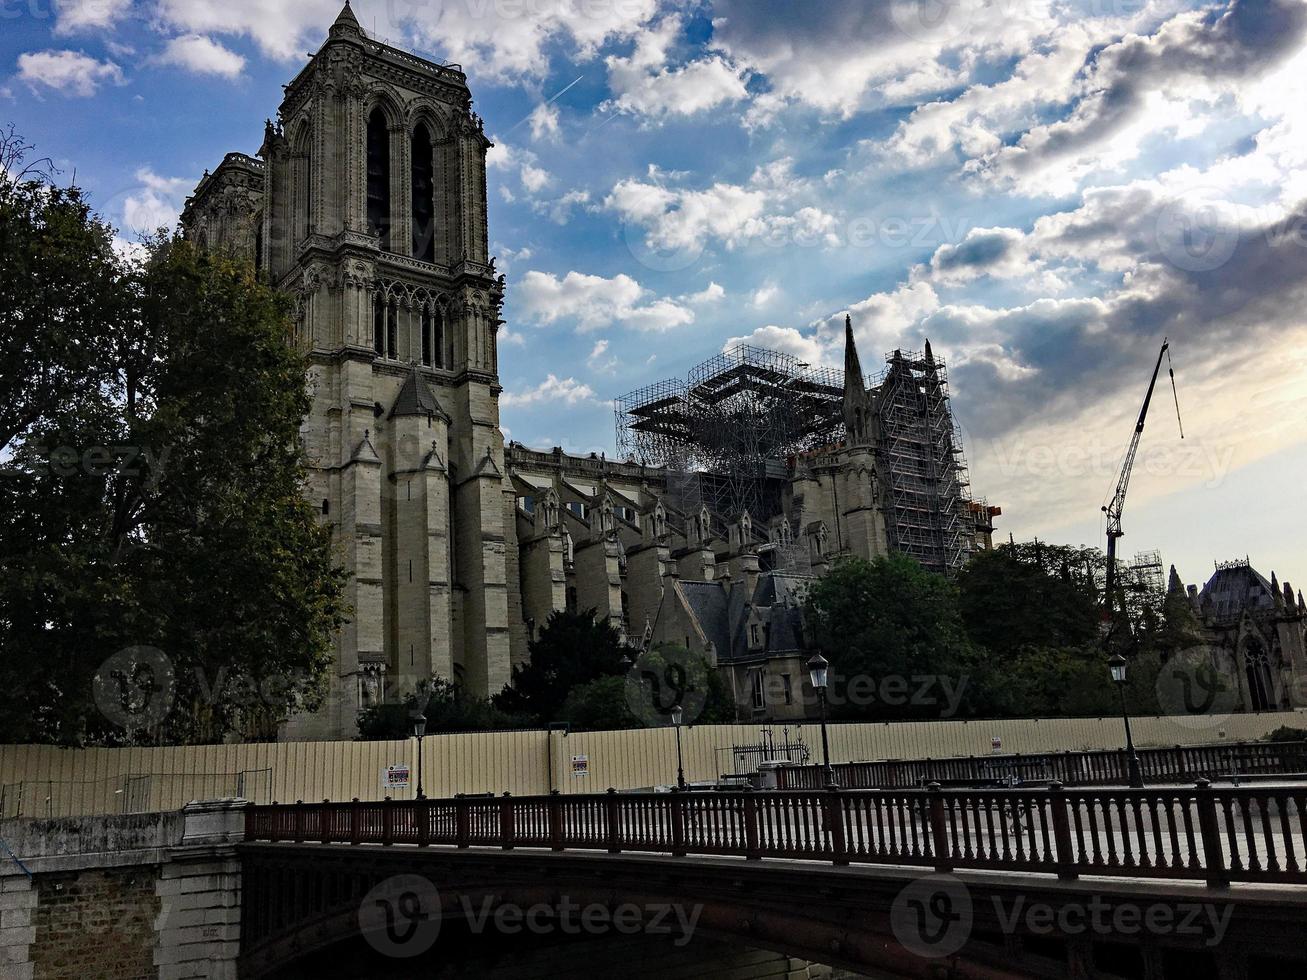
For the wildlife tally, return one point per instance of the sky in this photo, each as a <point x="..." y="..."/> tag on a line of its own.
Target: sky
<point x="1043" y="188"/>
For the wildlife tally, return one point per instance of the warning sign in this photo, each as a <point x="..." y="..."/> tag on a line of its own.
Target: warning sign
<point x="394" y="777"/>
<point x="580" y="765"/>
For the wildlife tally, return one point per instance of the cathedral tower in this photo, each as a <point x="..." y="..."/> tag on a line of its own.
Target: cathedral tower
<point x="373" y="216"/>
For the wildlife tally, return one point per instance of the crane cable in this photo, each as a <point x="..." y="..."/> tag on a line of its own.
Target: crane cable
<point x="1171" y="371"/>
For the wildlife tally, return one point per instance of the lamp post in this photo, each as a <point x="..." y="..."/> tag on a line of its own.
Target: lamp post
<point x="1117" y="665"/>
<point x="419" y="721"/>
<point x="680" y="762"/>
<point x="817" y="670"/>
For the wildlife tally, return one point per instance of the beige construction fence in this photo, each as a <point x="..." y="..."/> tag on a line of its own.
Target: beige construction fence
<point x="42" y="780"/>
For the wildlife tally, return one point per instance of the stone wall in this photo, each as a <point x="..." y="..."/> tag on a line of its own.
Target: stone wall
<point x="95" y="923"/>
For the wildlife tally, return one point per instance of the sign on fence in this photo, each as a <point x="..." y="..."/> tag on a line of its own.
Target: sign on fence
<point x="580" y="765"/>
<point x="394" y="777"/>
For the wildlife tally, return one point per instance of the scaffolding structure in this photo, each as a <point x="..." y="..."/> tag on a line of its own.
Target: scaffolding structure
<point x="928" y="507"/>
<point x="1144" y="585"/>
<point x="727" y="431"/>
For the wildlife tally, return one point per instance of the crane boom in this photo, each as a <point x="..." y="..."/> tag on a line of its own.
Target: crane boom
<point x="1117" y="505"/>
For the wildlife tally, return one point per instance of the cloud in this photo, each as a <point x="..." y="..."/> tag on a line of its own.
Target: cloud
<point x="202" y="56"/>
<point x="642" y="84"/>
<point x="524" y="163"/>
<point x="595" y="302"/>
<point x="544" y="121"/>
<point x="155" y="203"/>
<point x="560" y="209"/>
<point x="712" y="293"/>
<point x="552" y="391"/>
<point x="764" y="295"/>
<point x="75" y="16"/>
<point x="499" y="41"/>
<point x="599" y="360"/>
<point x="70" y="73"/>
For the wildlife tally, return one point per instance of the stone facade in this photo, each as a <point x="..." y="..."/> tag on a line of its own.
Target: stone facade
<point x="1254" y="634"/>
<point x="367" y="204"/>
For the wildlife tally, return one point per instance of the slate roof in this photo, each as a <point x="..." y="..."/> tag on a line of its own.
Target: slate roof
<point x="416" y="398"/>
<point x="724" y="615"/>
<point x="1234" y="588"/>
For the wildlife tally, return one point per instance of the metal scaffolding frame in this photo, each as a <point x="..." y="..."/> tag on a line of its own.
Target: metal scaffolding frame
<point x="927" y="501"/>
<point x="1144" y="585"/>
<point x="727" y="431"/>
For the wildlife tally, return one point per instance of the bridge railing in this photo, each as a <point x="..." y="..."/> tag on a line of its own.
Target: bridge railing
<point x="1252" y="833"/>
<point x="1095" y="768"/>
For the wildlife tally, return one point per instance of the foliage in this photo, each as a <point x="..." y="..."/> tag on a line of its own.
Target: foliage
<point x="572" y="649"/>
<point x="153" y="492"/>
<point x="1011" y="599"/>
<point x="447" y="706"/>
<point x="883" y="620"/>
<point x="1285" y="733"/>
<point x="598" y="705"/>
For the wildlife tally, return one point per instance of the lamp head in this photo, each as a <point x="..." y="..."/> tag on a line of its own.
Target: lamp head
<point x="677" y="715"/>
<point x="1117" y="665"/>
<point x="817" y="670"/>
<point x="419" y="721"/>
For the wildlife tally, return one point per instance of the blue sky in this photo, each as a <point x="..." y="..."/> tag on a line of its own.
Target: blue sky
<point x="1043" y="188"/>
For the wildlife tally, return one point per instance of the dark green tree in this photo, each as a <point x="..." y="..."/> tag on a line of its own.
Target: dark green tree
<point x="572" y="649"/>
<point x="153" y="495"/>
<point x="1010" y="601"/>
<point x="882" y="623"/>
<point x="448" y="708"/>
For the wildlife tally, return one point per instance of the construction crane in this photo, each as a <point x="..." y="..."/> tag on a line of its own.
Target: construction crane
<point x="1117" y="505"/>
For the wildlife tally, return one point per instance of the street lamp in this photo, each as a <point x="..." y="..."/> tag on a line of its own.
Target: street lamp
<point x="817" y="669"/>
<point x="677" y="714"/>
<point x="419" y="721"/>
<point x="1117" y="665"/>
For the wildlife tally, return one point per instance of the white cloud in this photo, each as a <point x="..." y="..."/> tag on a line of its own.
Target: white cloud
<point x="599" y="360"/>
<point x="552" y="391"/>
<point x="544" y="121"/>
<point x="75" y="16"/>
<point x="712" y="293"/>
<point x="203" y="56"/>
<point x="499" y="40"/>
<point x="524" y="163"/>
<point x="67" y="72"/>
<point x="787" y="340"/>
<point x="642" y="83"/>
<point x="764" y="295"/>
<point x="155" y="203"/>
<point x="595" y="302"/>
<point x="560" y="209"/>
<point x="535" y="178"/>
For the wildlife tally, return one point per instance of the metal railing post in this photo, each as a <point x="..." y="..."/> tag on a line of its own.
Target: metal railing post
<point x="752" y="847"/>
<point x="1210" y="829"/>
<point x="462" y="820"/>
<point x="1066" y="855"/>
<point x="614" y="822"/>
<point x="555" y="820"/>
<point x="938" y="828"/>
<point x="324" y="822"/>
<point x="355" y="832"/>
<point x="839" y="847"/>
<point x="422" y="816"/>
<point x="507" y="823"/>
<point x="678" y="805"/>
<point x="387" y="821"/>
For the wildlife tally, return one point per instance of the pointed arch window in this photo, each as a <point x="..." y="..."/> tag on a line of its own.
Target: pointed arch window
<point x="302" y="184"/>
<point x="392" y="329"/>
<point x="427" y="326"/>
<point x="378" y="323"/>
<point x="379" y="177"/>
<point x="424" y="189"/>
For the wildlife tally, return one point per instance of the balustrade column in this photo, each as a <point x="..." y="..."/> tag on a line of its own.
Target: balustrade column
<point x="938" y="828"/>
<point x="1210" y="829"/>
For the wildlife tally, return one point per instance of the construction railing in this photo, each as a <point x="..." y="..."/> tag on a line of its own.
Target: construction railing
<point x="1220" y="835"/>
<point x="1098" y="768"/>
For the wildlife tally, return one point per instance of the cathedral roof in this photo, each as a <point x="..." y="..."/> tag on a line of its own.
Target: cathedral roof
<point x="416" y="398"/>
<point x="347" y="18"/>
<point x="1234" y="588"/>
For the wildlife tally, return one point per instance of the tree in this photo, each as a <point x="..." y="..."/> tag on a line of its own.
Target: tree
<point x="152" y="516"/>
<point x="1011" y="601"/>
<point x="447" y="706"/>
<point x="885" y="624"/>
<point x="599" y="705"/>
<point x="573" y="648"/>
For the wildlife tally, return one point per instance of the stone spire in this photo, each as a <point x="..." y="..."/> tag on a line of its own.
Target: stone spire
<point x="1173" y="584"/>
<point x="346" y="23"/>
<point x="855" y="395"/>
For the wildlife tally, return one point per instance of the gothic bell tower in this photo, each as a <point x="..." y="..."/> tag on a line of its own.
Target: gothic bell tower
<point x="375" y="221"/>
